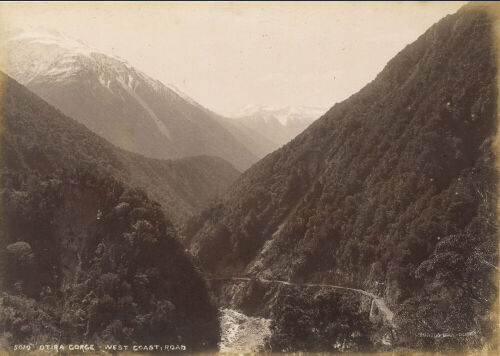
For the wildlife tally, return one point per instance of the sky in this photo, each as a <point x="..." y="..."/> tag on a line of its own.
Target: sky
<point x="227" y="55"/>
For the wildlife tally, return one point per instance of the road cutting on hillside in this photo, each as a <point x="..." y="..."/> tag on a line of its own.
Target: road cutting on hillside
<point x="381" y="305"/>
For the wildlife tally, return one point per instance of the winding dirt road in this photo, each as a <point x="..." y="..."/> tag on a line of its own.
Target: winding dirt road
<point x="382" y="307"/>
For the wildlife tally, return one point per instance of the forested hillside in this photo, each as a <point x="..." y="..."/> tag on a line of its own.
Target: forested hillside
<point x="39" y="136"/>
<point x="392" y="191"/>
<point x="84" y="257"/>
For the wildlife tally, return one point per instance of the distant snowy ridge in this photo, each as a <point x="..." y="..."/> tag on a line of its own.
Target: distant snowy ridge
<point x="284" y="115"/>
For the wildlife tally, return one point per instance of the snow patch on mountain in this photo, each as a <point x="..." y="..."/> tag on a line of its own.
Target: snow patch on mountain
<point x="57" y="55"/>
<point x="50" y="38"/>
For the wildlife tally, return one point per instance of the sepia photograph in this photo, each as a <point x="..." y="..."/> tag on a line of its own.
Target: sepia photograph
<point x="249" y="178"/>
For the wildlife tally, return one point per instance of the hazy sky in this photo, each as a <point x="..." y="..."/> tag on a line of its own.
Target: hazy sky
<point x="228" y="55"/>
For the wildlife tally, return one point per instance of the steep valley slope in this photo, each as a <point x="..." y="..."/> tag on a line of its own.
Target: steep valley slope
<point x="51" y="141"/>
<point x="85" y="256"/>
<point x="392" y="192"/>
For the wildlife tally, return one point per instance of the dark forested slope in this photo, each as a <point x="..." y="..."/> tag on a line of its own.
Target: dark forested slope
<point x="85" y="258"/>
<point x="392" y="191"/>
<point x="38" y="136"/>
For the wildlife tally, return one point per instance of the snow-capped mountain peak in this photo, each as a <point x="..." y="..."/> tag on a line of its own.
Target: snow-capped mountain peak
<point x="49" y="37"/>
<point x="39" y="55"/>
<point x="35" y="53"/>
<point x="285" y="114"/>
<point x="57" y="54"/>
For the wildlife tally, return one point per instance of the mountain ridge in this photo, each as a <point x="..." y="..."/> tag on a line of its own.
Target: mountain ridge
<point x="117" y="101"/>
<point x="392" y="191"/>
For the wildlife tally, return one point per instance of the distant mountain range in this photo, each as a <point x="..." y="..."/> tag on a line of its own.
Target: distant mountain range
<point x="138" y="113"/>
<point x="279" y="125"/>
<point x="117" y="101"/>
<point x="286" y="115"/>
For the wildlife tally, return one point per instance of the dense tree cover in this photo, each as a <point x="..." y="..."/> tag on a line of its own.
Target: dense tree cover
<point x="392" y="191"/>
<point x="40" y="137"/>
<point x="84" y="257"/>
<point x="318" y="321"/>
